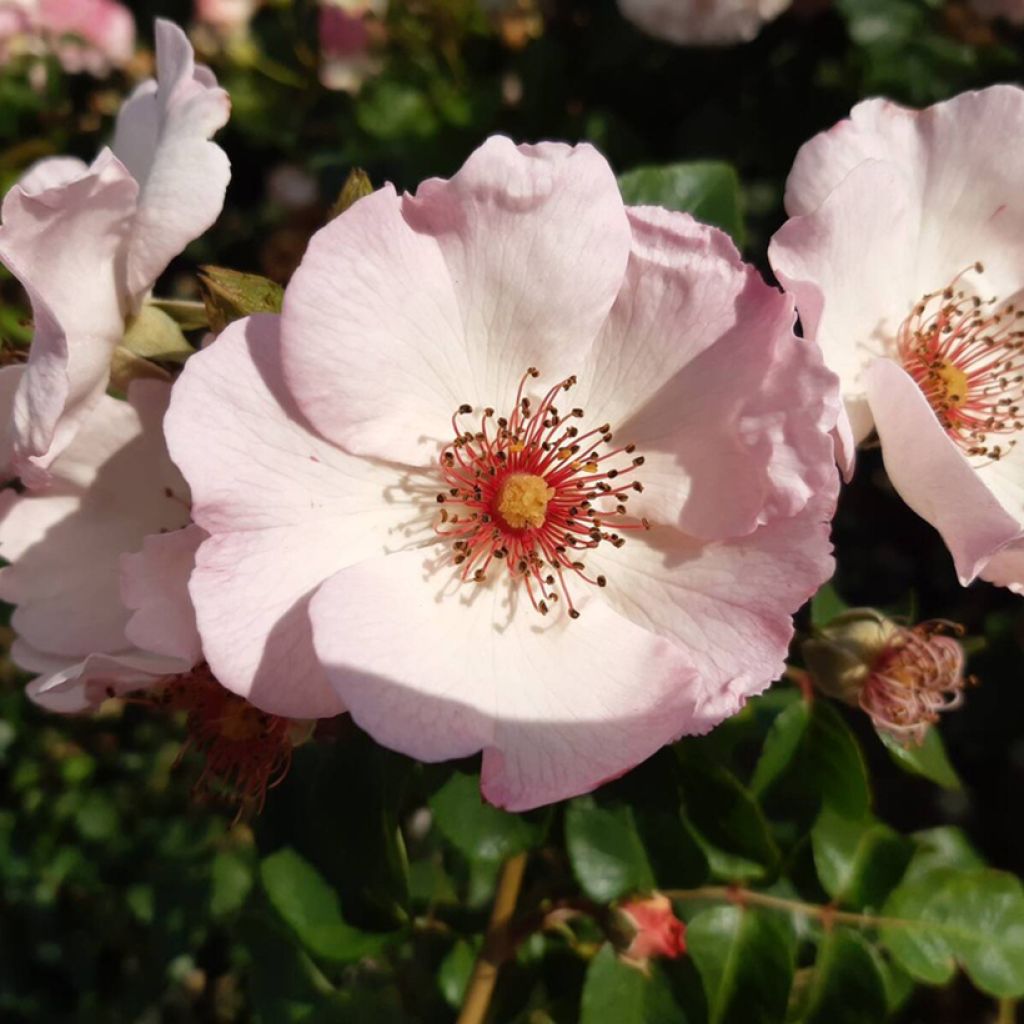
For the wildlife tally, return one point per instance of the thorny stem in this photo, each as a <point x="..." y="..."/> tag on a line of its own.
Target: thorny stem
<point x="496" y="943"/>
<point x="825" y="912"/>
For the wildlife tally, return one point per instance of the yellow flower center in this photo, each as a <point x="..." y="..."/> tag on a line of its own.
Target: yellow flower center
<point x="952" y="381"/>
<point x="524" y="501"/>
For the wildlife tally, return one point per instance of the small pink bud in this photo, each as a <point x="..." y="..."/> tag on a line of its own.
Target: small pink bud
<point x="656" y="931"/>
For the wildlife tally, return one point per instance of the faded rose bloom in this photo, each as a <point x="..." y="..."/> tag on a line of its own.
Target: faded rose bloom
<point x="88" y="242"/>
<point x="702" y="22"/>
<point x="653" y="927"/>
<point x="902" y="677"/>
<point x="409" y="519"/>
<point x="905" y="254"/>
<point x="84" y="35"/>
<point x="347" y="33"/>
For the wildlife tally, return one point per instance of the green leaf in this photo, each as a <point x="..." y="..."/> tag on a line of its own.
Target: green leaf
<point x="230" y="295"/>
<point x="453" y="974"/>
<point x="187" y="314"/>
<point x="847" y="986"/>
<point x="310" y="907"/>
<point x="746" y="959"/>
<point x="781" y="745"/>
<point x="725" y="817"/>
<point x="606" y="851"/>
<point x="710" y="190"/>
<point x="943" y="847"/>
<point x="833" y="757"/>
<point x="155" y="335"/>
<point x="858" y="862"/>
<point x="929" y="760"/>
<point x="230" y="880"/>
<point x="621" y="993"/>
<point x="357" y="185"/>
<point x="949" y="917"/>
<point x="477" y="830"/>
<point x="826" y="605"/>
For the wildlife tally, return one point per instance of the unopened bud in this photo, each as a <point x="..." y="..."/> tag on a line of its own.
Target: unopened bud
<point x="903" y="677"/>
<point x="649" y="928"/>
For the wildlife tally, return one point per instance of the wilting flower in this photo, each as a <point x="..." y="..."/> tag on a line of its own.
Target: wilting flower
<point x="903" y="677"/>
<point x="84" y="35"/>
<point x="347" y="31"/>
<point x="653" y="929"/>
<point x="516" y="470"/>
<point x="905" y="253"/>
<point x="89" y="242"/>
<point x="702" y="22"/>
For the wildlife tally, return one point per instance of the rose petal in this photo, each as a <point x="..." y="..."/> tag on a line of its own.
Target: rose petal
<point x="930" y="473"/>
<point x="449" y="296"/>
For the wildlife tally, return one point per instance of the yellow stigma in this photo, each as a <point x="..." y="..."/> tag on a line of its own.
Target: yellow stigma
<point x="524" y="500"/>
<point x="954" y="381"/>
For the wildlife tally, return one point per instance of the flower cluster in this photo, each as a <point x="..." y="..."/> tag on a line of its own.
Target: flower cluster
<point x="517" y="469"/>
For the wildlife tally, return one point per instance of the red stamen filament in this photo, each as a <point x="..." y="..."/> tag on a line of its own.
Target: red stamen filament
<point x="965" y="356"/>
<point x="531" y="492"/>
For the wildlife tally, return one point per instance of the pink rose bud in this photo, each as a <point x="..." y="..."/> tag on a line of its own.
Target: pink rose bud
<point x="657" y="932"/>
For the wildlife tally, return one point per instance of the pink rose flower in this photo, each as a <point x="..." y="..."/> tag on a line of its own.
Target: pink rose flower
<point x="228" y="17"/>
<point x="88" y="242"/>
<point x="905" y="254"/>
<point x="402" y="524"/>
<point x="346" y="42"/>
<point x="656" y="931"/>
<point x="702" y="22"/>
<point x="85" y="35"/>
<point x="91" y="569"/>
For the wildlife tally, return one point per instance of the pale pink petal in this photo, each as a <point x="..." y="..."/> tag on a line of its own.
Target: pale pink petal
<point x="65" y="245"/>
<point x="698" y="366"/>
<point x="449" y="296"/>
<point x="112" y="486"/>
<point x="557" y="706"/>
<point x="931" y="474"/>
<point x="183" y="176"/>
<point x="84" y="685"/>
<point x="52" y="172"/>
<point x="154" y="586"/>
<point x="702" y="22"/>
<point x="967" y="208"/>
<point x="849" y="266"/>
<point x="1006" y="568"/>
<point x="295" y="508"/>
<point x="728" y="604"/>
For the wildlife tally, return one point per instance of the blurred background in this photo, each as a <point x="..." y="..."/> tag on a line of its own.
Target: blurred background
<point x="123" y="898"/>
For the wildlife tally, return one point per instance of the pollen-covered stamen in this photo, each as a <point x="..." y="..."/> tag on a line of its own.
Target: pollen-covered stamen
<point x="918" y="674"/>
<point x="245" y="751"/>
<point x="965" y="354"/>
<point x="531" y="492"/>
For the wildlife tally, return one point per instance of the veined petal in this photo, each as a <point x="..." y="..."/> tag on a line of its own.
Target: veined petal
<point x="931" y="474"/>
<point x="163" y="136"/>
<point x="112" y="486"/>
<point x="449" y="296"/>
<point x="65" y="244"/>
<point x="285" y="508"/>
<point x="555" y="705"/>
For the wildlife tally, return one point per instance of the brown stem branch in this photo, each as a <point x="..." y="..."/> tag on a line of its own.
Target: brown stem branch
<point x="496" y="943"/>
<point x="824" y="912"/>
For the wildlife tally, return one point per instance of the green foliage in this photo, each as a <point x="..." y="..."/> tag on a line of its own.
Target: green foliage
<point x="848" y="984"/>
<point x="709" y="190"/>
<point x="616" y="991"/>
